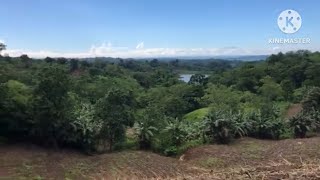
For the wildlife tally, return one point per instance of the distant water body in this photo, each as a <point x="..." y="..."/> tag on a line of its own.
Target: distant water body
<point x="186" y="77"/>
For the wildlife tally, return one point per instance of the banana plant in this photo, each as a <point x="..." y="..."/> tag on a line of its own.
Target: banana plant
<point x="144" y="133"/>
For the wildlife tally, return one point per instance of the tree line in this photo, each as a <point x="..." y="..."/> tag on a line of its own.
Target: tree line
<point x="100" y="106"/>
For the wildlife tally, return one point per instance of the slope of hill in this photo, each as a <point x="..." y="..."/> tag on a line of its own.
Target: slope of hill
<point x="245" y="159"/>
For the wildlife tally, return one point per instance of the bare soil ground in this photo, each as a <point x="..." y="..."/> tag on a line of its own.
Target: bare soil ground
<point x="293" y="110"/>
<point x="245" y="159"/>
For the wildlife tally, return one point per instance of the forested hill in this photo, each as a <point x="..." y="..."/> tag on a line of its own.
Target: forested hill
<point x="92" y="105"/>
<point x="289" y="71"/>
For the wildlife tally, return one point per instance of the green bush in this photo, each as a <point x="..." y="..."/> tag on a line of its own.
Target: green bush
<point x="145" y="133"/>
<point x="266" y="127"/>
<point x="172" y="136"/>
<point x="287" y="133"/>
<point x="316" y="116"/>
<point x="312" y="100"/>
<point x="15" y="107"/>
<point x="223" y="126"/>
<point x="130" y="143"/>
<point x="303" y="123"/>
<point x="52" y="107"/>
<point x="161" y="142"/>
<point x="176" y="129"/>
<point x="242" y="125"/>
<point x="171" y="151"/>
<point x="267" y="122"/>
<point x="85" y="128"/>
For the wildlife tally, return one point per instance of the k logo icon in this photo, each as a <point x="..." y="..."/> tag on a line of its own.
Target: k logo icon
<point x="289" y="21"/>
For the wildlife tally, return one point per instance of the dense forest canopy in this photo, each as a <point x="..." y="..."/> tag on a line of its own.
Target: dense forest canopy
<point x="92" y="105"/>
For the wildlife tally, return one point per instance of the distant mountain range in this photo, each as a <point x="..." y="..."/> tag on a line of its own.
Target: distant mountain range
<point x="231" y="58"/>
<point x="246" y="58"/>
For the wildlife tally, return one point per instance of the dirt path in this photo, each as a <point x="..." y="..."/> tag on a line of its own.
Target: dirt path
<point x="245" y="158"/>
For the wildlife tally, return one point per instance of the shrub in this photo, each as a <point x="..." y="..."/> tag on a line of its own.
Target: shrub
<point x="222" y="126"/>
<point x="267" y="126"/>
<point x="242" y="125"/>
<point x="302" y="123"/>
<point x="267" y="122"/>
<point x="85" y="127"/>
<point x="298" y="94"/>
<point x="171" y="151"/>
<point x="145" y="133"/>
<point x="176" y="129"/>
<point x="316" y="117"/>
<point x="131" y="143"/>
<point x="161" y="142"/>
<point x="15" y="109"/>
<point x="115" y="111"/>
<point x="312" y="100"/>
<point x="178" y="136"/>
<point x="194" y="131"/>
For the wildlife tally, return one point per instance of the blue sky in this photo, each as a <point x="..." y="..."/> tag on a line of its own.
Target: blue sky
<point x="151" y="27"/>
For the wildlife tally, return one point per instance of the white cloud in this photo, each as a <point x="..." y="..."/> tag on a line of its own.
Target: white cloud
<point x="140" y="45"/>
<point x="275" y="48"/>
<point x="107" y="50"/>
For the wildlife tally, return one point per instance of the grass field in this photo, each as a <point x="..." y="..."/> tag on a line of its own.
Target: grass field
<point x="197" y="115"/>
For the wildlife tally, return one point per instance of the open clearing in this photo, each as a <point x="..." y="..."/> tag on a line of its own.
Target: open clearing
<point x="244" y="159"/>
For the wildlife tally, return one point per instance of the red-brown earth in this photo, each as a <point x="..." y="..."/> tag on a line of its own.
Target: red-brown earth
<point x="246" y="158"/>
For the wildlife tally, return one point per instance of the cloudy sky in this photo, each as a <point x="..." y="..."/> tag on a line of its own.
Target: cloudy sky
<point x="157" y="28"/>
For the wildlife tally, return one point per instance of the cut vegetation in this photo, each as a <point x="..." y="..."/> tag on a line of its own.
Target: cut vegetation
<point x="245" y="159"/>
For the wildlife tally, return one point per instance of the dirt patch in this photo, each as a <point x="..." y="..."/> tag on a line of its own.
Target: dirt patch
<point x="143" y="165"/>
<point x="271" y="171"/>
<point x="254" y="152"/>
<point x="293" y="110"/>
<point x="246" y="158"/>
<point x="32" y="162"/>
<point x="4" y="173"/>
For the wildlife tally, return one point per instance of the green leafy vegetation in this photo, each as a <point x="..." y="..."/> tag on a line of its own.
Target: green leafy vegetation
<point x="93" y="104"/>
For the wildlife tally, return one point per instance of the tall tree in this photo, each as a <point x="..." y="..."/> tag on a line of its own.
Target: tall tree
<point x="198" y="79"/>
<point x="74" y="65"/>
<point x="26" y="60"/>
<point x="62" y="60"/>
<point x="84" y="64"/>
<point x="116" y="112"/>
<point x="270" y="89"/>
<point x="14" y="109"/>
<point x="49" y="60"/>
<point x="51" y="106"/>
